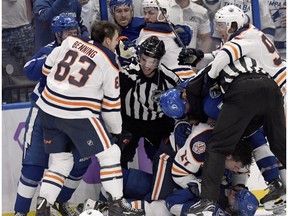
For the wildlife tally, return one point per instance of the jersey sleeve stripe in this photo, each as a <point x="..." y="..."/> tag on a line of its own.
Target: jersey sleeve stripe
<point x="235" y="52"/>
<point x="117" y="104"/>
<point x="229" y="54"/>
<point x="45" y="72"/>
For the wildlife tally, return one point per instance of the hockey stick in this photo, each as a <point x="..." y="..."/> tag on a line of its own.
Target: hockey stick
<point x="171" y="26"/>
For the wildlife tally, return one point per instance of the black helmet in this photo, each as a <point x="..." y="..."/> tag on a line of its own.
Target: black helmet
<point x="153" y="47"/>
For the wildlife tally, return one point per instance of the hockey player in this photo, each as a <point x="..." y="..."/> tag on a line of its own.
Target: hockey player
<point x="158" y="25"/>
<point x="122" y="13"/>
<point x="234" y="201"/>
<point x="237" y="101"/>
<point x="141" y="86"/>
<point x="46" y="10"/>
<point x="82" y="82"/>
<point x="267" y="25"/>
<point x="35" y="160"/>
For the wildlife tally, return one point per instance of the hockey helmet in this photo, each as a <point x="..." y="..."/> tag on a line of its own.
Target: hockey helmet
<point x="164" y="4"/>
<point x="115" y="3"/>
<point x="171" y="103"/>
<point x="246" y="203"/>
<point x="91" y="212"/>
<point x="229" y="14"/>
<point x="152" y="3"/>
<point x="63" y="22"/>
<point x="153" y="47"/>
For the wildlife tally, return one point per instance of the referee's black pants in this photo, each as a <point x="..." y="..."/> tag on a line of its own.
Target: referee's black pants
<point x="250" y="102"/>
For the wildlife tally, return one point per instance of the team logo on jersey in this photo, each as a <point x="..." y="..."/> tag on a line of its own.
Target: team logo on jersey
<point x="90" y="142"/>
<point x="156" y="95"/>
<point x="199" y="147"/>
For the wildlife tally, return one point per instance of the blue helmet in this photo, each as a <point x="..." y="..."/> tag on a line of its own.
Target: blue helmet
<point x="171" y="103"/>
<point x="247" y="203"/>
<point x="114" y="3"/>
<point x="63" y="22"/>
<point x="212" y="104"/>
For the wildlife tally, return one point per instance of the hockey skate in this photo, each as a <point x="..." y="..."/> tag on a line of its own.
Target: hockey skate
<point x="121" y="207"/>
<point x="20" y="214"/>
<point x="279" y="211"/>
<point x="43" y="208"/>
<point x="204" y="207"/>
<point x="64" y="209"/>
<point x="276" y="197"/>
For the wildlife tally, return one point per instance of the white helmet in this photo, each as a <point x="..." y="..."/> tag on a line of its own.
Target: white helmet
<point x="152" y="3"/>
<point x="230" y="14"/>
<point x="91" y="212"/>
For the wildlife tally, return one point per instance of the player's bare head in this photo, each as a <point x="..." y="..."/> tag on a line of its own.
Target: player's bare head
<point x="122" y="11"/>
<point x="241" y="157"/>
<point x="63" y="26"/>
<point x="151" y="51"/>
<point x="152" y="11"/>
<point x="229" y="19"/>
<point x="106" y="33"/>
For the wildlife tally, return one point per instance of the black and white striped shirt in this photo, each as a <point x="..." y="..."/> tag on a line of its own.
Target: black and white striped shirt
<point x="140" y="94"/>
<point x="244" y="65"/>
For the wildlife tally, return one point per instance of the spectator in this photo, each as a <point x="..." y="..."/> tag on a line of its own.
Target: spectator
<point x="17" y="48"/>
<point x="278" y="14"/>
<point x="45" y="11"/>
<point x="17" y="31"/>
<point x="196" y="16"/>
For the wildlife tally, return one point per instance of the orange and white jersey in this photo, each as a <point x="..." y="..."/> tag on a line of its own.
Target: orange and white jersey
<point x="190" y="157"/>
<point x="82" y="81"/>
<point x="251" y="42"/>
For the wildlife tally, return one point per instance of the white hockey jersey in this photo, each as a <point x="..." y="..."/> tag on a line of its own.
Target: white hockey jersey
<point x="252" y="43"/>
<point x="267" y="25"/>
<point x="190" y="157"/>
<point x="82" y="81"/>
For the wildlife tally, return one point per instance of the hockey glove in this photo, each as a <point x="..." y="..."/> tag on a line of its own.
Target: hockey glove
<point x="122" y="139"/>
<point x="190" y="56"/>
<point x="126" y="51"/>
<point x="185" y="34"/>
<point x="181" y="132"/>
<point x="195" y="187"/>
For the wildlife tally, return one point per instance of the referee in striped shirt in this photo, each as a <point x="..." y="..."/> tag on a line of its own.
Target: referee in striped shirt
<point x="140" y="89"/>
<point x="251" y="99"/>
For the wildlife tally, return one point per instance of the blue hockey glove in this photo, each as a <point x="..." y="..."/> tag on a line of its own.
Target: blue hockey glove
<point x="190" y="56"/>
<point x="181" y="132"/>
<point x="195" y="187"/>
<point x="185" y="34"/>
